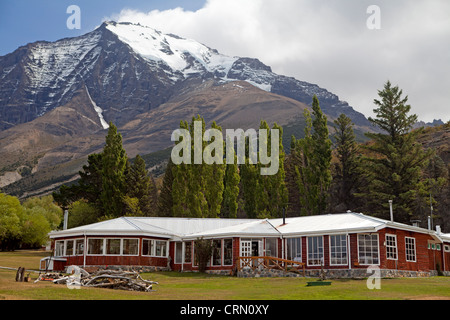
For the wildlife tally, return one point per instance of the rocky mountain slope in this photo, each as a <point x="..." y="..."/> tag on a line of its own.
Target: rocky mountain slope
<point x="57" y="98"/>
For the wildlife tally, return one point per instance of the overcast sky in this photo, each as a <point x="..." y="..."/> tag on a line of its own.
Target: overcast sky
<point x="326" y="42"/>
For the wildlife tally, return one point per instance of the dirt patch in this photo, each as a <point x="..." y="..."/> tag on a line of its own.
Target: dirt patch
<point x="430" y="298"/>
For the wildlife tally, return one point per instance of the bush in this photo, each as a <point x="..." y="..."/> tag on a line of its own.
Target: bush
<point x="203" y="251"/>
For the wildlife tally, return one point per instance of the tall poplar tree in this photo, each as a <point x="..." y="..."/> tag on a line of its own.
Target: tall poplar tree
<point x="265" y="196"/>
<point x="114" y="163"/>
<point x="313" y="167"/>
<point x="197" y="189"/>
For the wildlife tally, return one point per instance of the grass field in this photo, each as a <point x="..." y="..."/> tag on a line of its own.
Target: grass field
<point x="194" y="286"/>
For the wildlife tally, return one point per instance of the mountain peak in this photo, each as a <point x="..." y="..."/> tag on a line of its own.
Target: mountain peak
<point x="179" y="54"/>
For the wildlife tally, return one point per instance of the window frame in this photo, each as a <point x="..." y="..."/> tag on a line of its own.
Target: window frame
<point x="321" y="257"/>
<point x="407" y="249"/>
<point x="153" y="246"/>
<point x="294" y="247"/>
<point x="225" y="254"/>
<point x="391" y="248"/>
<point x="371" y="240"/>
<point x="345" y="247"/>
<point x="215" y="251"/>
<point x="102" y="247"/>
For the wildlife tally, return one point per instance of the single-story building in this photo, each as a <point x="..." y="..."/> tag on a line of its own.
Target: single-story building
<point x="344" y="245"/>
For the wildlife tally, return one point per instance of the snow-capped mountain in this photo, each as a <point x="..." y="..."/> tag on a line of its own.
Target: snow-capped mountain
<point x="57" y="98"/>
<point x="130" y="69"/>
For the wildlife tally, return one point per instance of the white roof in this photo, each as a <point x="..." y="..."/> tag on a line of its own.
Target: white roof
<point x="255" y="228"/>
<point x="193" y="228"/>
<point x="331" y="223"/>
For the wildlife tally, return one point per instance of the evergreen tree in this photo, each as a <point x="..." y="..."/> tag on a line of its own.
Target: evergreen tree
<point x="165" y="200"/>
<point x="395" y="172"/>
<point x="140" y="185"/>
<point x="114" y="164"/>
<point x="89" y="187"/>
<point x="346" y="179"/>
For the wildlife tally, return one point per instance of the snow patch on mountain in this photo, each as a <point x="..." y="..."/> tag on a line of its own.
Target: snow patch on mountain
<point x="99" y="111"/>
<point x="184" y="55"/>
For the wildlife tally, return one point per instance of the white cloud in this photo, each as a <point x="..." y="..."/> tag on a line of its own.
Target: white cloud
<point x="328" y="43"/>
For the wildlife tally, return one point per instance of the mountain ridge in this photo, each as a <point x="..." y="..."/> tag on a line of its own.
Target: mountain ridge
<point x="57" y="98"/>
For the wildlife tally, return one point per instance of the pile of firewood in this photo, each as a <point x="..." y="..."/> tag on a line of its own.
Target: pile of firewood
<point x="120" y="280"/>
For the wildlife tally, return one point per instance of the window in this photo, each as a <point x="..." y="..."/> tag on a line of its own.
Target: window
<point x="315" y="251"/>
<point x="368" y="249"/>
<point x="113" y="246"/>
<point x="271" y="247"/>
<point x="160" y="248"/>
<point x="95" y="246"/>
<point x="294" y="249"/>
<point x="178" y="252"/>
<point x="228" y="252"/>
<point x="391" y="247"/>
<point x="446" y="248"/>
<point x="217" y="253"/>
<point x="338" y="250"/>
<point x="59" y="248"/>
<point x="130" y="247"/>
<point x="79" y="247"/>
<point x="147" y="247"/>
<point x="69" y="248"/>
<point x="410" y="248"/>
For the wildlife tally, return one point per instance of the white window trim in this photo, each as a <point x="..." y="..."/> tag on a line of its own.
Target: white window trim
<point x="104" y="247"/>
<point x="378" y="247"/>
<point x="153" y="253"/>
<point x="390" y="246"/>
<point x="96" y="254"/>
<point x="223" y="252"/>
<point x="276" y="247"/>
<point x="307" y="252"/>
<point x="406" y="249"/>
<point x="300" y="258"/>
<point x="346" y="250"/>
<point x="176" y="244"/>
<point x="75" y="247"/>
<point x="129" y="255"/>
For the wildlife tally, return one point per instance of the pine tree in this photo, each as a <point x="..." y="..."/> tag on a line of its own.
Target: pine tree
<point x="114" y="164"/>
<point x="346" y="179"/>
<point x="89" y="187"/>
<point x="395" y="172"/>
<point x="165" y="200"/>
<point x="141" y="186"/>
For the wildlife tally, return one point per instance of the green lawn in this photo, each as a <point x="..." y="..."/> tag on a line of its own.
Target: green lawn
<point x="194" y="286"/>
